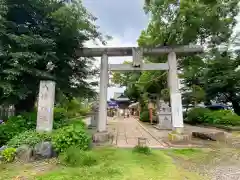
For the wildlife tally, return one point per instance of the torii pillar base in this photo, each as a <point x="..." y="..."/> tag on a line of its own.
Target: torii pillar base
<point x="176" y="137"/>
<point x="102" y="137"/>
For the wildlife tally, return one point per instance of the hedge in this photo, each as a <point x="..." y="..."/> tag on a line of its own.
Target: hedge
<point x="206" y="116"/>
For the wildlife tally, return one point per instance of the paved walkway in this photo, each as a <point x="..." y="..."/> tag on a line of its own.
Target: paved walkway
<point x="126" y="132"/>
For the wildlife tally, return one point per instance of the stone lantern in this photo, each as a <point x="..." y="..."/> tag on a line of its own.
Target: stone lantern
<point x="94" y="117"/>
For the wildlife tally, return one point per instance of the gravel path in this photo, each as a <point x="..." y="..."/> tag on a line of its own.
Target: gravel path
<point x="220" y="164"/>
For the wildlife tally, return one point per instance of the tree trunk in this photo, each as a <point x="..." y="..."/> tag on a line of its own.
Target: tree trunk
<point x="236" y="107"/>
<point x="158" y="107"/>
<point x="25" y="105"/>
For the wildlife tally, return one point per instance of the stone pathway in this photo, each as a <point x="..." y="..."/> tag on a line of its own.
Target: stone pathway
<point x="126" y="132"/>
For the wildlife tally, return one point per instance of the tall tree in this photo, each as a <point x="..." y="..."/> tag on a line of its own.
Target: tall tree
<point x="222" y="78"/>
<point x="38" y="41"/>
<point x="208" y="23"/>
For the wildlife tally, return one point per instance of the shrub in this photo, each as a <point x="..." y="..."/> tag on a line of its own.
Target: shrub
<point x="60" y="117"/>
<point x="12" y="127"/>
<point x="184" y="115"/>
<point x="72" y="135"/>
<point x="142" y="149"/>
<point x="222" y="117"/>
<point x="78" y="122"/>
<point x="27" y="121"/>
<point x="84" y="111"/>
<point x="30" y="119"/>
<point x="30" y="138"/>
<point x="230" y="119"/>
<point x="144" y="116"/>
<point x="197" y="115"/>
<point x="73" y="156"/>
<point x="17" y="124"/>
<point x="8" y="154"/>
<point x="213" y="116"/>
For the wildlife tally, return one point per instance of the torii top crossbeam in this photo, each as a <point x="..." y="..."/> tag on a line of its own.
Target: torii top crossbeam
<point x="127" y="51"/>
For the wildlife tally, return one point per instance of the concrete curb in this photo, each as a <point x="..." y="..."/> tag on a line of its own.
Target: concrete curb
<point x="169" y="145"/>
<point x="145" y="129"/>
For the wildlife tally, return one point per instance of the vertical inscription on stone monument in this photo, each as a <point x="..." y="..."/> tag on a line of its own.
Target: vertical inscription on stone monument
<point x="45" y="106"/>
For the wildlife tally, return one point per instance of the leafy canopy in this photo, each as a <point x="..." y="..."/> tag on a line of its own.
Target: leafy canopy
<point x="38" y="40"/>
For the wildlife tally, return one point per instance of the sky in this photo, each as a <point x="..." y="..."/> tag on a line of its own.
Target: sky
<point x="123" y="21"/>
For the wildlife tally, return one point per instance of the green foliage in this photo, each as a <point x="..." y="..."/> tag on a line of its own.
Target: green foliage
<point x="184" y="115"/>
<point x="73" y="156"/>
<point x="186" y="152"/>
<point x="84" y="111"/>
<point x="197" y="115"/>
<point x="6" y="133"/>
<point x="142" y="149"/>
<point x="221" y="117"/>
<point x="212" y="75"/>
<point x="194" y="95"/>
<point x="60" y="117"/>
<point x="122" y="79"/>
<point x="165" y="95"/>
<point x="27" y="121"/>
<point x="222" y="78"/>
<point x="144" y="116"/>
<point x="74" y="107"/>
<point x="9" y="154"/>
<point x="72" y="135"/>
<point x="14" y="126"/>
<point x="77" y="122"/>
<point x="30" y="138"/>
<point x="129" y="80"/>
<point x="152" y="82"/>
<point x="39" y="41"/>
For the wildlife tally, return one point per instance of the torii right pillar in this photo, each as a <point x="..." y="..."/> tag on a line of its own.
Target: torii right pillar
<point x="175" y="95"/>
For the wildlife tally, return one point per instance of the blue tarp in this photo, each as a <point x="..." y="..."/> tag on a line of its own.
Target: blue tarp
<point x="112" y="104"/>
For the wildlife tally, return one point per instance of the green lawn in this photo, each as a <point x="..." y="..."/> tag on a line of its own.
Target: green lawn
<point x="116" y="164"/>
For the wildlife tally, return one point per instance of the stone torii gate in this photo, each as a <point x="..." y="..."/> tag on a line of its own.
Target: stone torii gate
<point x="138" y="65"/>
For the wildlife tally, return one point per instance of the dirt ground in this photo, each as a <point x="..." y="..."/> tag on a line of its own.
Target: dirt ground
<point x="213" y="164"/>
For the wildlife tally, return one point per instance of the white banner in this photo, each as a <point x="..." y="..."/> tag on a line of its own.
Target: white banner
<point x="177" y="114"/>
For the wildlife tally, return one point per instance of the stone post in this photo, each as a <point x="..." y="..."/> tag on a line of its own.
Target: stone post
<point x="46" y="99"/>
<point x="94" y="116"/>
<point x="175" y="95"/>
<point x="102" y="118"/>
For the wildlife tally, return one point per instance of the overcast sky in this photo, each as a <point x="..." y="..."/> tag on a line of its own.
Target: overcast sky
<point x="123" y="20"/>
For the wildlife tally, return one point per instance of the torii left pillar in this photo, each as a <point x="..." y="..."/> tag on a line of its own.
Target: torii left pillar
<point x="102" y="118"/>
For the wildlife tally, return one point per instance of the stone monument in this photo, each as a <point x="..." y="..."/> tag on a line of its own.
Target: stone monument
<point x="94" y="117"/>
<point x="46" y="99"/>
<point x="164" y="116"/>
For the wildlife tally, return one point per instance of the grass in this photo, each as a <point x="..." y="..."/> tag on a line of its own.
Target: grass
<point x="115" y="164"/>
<point x="187" y="154"/>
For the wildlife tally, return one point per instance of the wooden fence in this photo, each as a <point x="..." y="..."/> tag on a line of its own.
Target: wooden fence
<point x="6" y="112"/>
